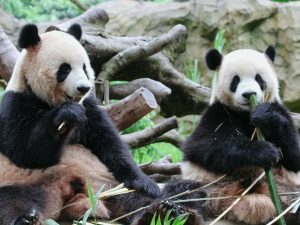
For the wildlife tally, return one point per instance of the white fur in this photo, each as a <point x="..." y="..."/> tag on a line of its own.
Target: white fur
<point x="38" y="66"/>
<point x="245" y="63"/>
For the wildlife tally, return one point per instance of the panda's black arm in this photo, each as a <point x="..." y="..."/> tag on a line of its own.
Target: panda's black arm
<point x="277" y="126"/>
<point x="219" y="143"/>
<point x="28" y="134"/>
<point x="100" y="136"/>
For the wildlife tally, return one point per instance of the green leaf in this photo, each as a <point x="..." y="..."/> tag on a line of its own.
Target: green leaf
<point x="167" y="220"/>
<point x="153" y="221"/>
<point x="86" y="216"/>
<point x="92" y="199"/>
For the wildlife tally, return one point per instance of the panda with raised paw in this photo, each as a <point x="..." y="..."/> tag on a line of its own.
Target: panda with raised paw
<point x="222" y="142"/>
<point x="50" y="142"/>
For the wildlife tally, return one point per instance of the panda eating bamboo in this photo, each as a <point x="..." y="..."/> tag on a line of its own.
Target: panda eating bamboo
<point x="50" y="143"/>
<point x="222" y="143"/>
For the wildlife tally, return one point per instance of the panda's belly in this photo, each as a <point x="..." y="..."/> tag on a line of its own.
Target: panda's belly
<point x="76" y="160"/>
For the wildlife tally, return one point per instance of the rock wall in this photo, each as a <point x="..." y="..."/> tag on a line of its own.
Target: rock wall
<point x="247" y="23"/>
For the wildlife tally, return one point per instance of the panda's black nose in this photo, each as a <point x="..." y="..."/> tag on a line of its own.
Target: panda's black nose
<point x="83" y="89"/>
<point x="247" y="95"/>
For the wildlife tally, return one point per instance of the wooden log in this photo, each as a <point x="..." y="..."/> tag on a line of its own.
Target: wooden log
<point x="8" y="56"/>
<point x="172" y="137"/>
<point x="143" y="137"/>
<point x="163" y="166"/>
<point x="132" y="108"/>
<point x="159" y="90"/>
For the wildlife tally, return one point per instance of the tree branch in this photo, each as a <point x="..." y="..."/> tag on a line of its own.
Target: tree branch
<point x="159" y="90"/>
<point x="132" y="108"/>
<point x="132" y="54"/>
<point x="163" y="166"/>
<point x="172" y="137"/>
<point x="80" y="5"/>
<point x="8" y="56"/>
<point x="143" y="137"/>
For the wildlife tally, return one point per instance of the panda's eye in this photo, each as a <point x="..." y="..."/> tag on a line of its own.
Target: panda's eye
<point x="234" y="83"/>
<point x="261" y="82"/>
<point x="85" y="71"/>
<point x="63" y="72"/>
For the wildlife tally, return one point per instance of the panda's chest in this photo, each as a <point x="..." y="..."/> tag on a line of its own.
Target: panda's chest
<point x="239" y="125"/>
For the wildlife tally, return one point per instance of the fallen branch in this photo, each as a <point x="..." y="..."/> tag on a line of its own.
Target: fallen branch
<point x="143" y="137"/>
<point x="172" y="137"/>
<point x="160" y="178"/>
<point x="80" y="5"/>
<point x="132" y="108"/>
<point x="163" y="166"/>
<point x="159" y="90"/>
<point x="8" y="56"/>
<point x="140" y="52"/>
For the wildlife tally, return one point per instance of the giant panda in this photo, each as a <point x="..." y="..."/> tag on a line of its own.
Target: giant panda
<point x="50" y="143"/>
<point x="221" y="143"/>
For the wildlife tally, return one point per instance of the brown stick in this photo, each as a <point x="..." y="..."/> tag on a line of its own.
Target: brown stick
<point x="143" y="137"/>
<point x="163" y="166"/>
<point x="159" y="90"/>
<point x="80" y="5"/>
<point x="8" y="56"/>
<point x="130" y="109"/>
<point x="140" y="52"/>
<point x="172" y="137"/>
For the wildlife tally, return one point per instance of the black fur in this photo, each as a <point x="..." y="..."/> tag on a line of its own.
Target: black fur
<point x="21" y="205"/>
<point x="99" y="135"/>
<point x="29" y="129"/>
<point x="221" y="142"/>
<point x="75" y="31"/>
<point x="29" y="36"/>
<point x="63" y="72"/>
<point x="262" y="83"/>
<point x="234" y="83"/>
<point x="213" y="59"/>
<point x="29" y="136"/>
<point x="271" y="53"/>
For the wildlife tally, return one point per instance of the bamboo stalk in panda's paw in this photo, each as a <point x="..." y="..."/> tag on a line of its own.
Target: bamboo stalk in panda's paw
<point x="269" y="174"/>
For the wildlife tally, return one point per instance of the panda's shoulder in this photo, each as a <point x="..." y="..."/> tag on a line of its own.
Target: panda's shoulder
<point x="214" y="113"/>
<point x="20" y="102"/>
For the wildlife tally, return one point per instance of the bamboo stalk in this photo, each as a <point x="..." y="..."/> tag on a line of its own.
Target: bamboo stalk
<point x="269" y="174"/>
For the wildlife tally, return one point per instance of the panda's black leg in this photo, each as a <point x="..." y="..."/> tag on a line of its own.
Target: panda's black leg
<point x="29" y="217"/>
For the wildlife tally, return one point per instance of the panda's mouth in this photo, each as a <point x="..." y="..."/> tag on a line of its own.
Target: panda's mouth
<point x="74" y="98"/>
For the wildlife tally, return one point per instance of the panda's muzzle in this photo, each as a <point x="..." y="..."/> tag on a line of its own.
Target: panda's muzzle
<point x="83" y="89"/>
<point x="247" y="95"/>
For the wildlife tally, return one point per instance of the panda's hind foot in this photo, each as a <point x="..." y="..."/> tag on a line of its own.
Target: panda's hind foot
<point x="29" y="217"/>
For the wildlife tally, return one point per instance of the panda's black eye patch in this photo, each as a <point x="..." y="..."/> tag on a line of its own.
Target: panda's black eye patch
<point x="234" y="83"/>
<point x="85" y="71"/>
<point x="261" y="82"/>
<point x="63" y="72"/>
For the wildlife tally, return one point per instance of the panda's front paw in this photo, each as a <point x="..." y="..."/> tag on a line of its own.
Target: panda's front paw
<point x="266" y="117"/>
<point x="145" y="185"/>
<point x="267" y="154"/>
<point x="70" y="114"/>
<point x="29" y="217"/>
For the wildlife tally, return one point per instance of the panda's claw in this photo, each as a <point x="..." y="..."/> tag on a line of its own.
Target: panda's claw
<point x="30" y="217"/>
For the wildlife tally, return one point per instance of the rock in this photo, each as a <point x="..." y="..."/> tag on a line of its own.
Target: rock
<point x="247" y="23"/>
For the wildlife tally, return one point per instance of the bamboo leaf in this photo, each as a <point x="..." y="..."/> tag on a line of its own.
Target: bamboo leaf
<point x="50" y="222"/>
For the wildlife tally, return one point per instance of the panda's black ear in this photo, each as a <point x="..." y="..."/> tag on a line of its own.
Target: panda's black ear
<point x="213" y="59"/>
<point x="29" y="36"/>
<point x="75" y="30"/>
<point x="271" y="53"/>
